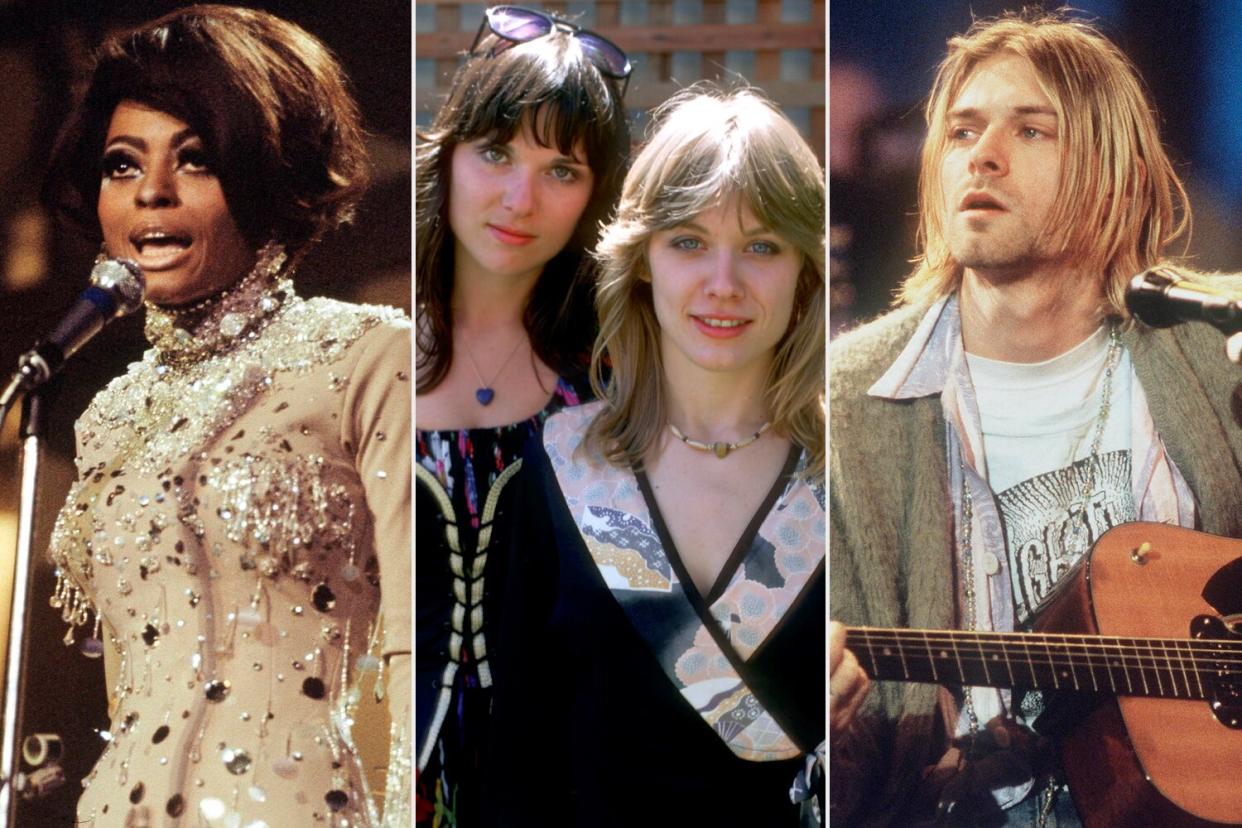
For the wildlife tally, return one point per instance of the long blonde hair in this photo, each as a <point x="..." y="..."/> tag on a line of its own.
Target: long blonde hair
<point x="708" y="144"/>
<point x="1120" y="203"/>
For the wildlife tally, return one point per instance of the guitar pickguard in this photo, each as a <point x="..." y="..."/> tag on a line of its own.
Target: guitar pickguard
<point x="1223" y="593"/>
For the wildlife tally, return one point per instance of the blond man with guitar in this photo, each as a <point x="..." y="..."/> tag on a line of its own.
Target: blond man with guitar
<point x="988" y="432"/>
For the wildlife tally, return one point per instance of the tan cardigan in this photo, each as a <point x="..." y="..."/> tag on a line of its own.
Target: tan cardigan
<point x="891" y="537"/>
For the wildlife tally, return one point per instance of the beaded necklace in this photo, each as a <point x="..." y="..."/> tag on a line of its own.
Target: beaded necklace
<point x="184" y="335"/>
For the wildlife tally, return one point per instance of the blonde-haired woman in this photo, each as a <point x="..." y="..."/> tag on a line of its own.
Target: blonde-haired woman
<point x="665" y="618"/>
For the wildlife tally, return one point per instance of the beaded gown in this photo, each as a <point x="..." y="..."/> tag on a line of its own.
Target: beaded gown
<point x="243" y="492"/>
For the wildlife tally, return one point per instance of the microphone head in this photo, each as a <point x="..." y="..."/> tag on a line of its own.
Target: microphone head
<point x="1145" y="297"/>
<point x="124" y="280"/>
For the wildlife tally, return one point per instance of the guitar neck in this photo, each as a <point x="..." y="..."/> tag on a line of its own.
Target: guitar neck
<point x="1164" y="667"/>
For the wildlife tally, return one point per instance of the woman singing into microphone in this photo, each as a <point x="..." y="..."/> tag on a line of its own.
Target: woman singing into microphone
<point x="243" y="491"/>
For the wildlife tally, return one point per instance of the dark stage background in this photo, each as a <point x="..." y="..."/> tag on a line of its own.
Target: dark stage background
<point x="44" y="55"/>
<point x="882" y="62"/>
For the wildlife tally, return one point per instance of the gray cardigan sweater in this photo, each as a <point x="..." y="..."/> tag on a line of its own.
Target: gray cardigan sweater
<point x="891" y="536"/>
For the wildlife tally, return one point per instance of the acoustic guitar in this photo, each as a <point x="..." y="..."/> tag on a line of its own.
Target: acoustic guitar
<point x="1152" y="617"/>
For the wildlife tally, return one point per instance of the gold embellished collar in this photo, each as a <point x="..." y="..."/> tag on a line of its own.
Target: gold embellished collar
<point x="185" y="335"/>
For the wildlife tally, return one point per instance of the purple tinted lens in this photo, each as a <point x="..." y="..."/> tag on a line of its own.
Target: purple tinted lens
<point x="605" y="54"/>
<point x="517" y="24"/>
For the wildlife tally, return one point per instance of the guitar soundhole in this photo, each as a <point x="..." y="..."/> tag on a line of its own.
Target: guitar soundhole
<point x="1222" y="670"/>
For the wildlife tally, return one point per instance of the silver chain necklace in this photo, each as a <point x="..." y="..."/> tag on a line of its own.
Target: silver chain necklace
<point x="1080" y="535"/>
<point x="1079" y="530"/>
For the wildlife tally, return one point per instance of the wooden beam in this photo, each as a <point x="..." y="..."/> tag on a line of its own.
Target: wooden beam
<point x="447" y="3"/>
<point x="784" y="93"/>
<point x="767" y="61"/>
<point x="702" y="37"/>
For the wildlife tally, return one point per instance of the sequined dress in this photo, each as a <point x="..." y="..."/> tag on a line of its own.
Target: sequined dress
<point x="467" y="478"/>
<point x="243" y="491"/>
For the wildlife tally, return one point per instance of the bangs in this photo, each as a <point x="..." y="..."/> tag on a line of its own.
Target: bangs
<point x="554" y="92"/>
<point x="708" y="147"/>
<point x="694" y="176"/>
<point x="193" y="90"/>
<point x="759" y="158"/>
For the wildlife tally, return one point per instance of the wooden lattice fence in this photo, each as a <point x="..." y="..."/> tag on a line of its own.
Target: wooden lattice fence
<point x="777" y="45"/>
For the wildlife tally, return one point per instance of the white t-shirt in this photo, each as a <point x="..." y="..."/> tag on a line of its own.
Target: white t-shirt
<point x="1038" y="422"/>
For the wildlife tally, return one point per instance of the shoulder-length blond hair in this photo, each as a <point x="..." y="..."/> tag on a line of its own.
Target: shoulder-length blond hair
<point x="1120" y="203"/>
<point x="708" y="144"/>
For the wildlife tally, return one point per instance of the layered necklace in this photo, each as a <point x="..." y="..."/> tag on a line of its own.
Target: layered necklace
<point x="1079" y="531"/>
<point x="1079" y="534"/>
<point x="189" y="333"/>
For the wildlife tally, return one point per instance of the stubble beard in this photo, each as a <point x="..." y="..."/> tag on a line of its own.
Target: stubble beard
<point x="997" y="253"/>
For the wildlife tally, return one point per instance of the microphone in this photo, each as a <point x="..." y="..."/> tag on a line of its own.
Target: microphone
<point x="1160" y="297"/>
<point x="116" y="289"/>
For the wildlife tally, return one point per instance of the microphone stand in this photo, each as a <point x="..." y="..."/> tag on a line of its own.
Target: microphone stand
<point x="33" y="427"/>
<point x="116" y="289"/>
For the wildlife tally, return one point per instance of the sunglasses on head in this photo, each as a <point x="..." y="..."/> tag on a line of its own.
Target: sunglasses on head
<point x="518" y="24"/>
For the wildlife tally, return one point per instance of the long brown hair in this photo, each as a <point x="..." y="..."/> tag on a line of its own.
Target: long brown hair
<point x="550" y="86"/>
<point x="709" y="144"/>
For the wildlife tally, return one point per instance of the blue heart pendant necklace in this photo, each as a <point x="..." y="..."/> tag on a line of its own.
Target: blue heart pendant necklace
<point x="485" y="393"/>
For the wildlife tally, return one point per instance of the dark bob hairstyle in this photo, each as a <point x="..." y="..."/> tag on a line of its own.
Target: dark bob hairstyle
<point x="549" y="86"/>
<point x="270" y="102"/>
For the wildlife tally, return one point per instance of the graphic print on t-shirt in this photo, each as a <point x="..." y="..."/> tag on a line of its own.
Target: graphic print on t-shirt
<point x="1043" y="513"/>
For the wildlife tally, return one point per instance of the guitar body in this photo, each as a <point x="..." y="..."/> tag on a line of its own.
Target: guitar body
<point x="1142" y="761"/>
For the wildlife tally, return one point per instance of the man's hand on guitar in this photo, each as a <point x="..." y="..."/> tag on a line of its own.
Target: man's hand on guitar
<point x="847" y="683"/>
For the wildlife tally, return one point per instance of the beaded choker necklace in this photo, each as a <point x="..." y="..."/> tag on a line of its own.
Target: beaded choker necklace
<point x="721" y="449"/>
<point x="183" y="335"/>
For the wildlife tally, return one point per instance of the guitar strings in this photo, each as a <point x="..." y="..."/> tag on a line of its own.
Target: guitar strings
<point x="907" y="637"/>
<point x="1153" y="647"/>
<point x="1175" y="651"/>
<point x="1137" y="659"/>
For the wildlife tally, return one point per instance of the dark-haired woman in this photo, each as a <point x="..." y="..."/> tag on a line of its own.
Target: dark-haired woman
<point x="244" y="489"/>
<point x="519" y="167"/>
